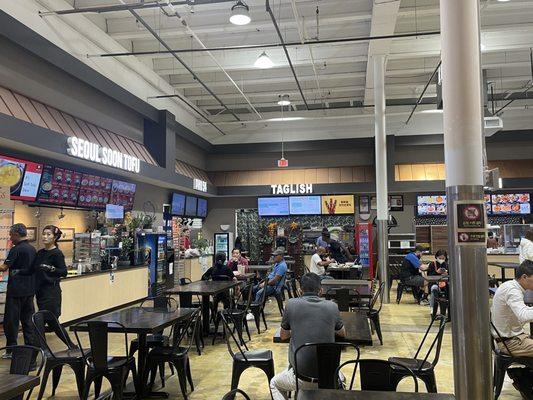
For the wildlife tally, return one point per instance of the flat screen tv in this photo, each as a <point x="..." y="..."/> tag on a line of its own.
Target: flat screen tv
<point x="273" y="206"/>
<point x="511" y="204"/>
<point x="201" y="212"/>
<point x="305" y="205"/>
<point x="190" y="206"/>
<point x="123" y="194"/>
<point x="113" y="211"/>
<point x="95" y="191"/>
<point x="22" y="177"/>
<point x="178" y="204"/>
<point x="431" y="205"/>
<point x="59" y="186"/>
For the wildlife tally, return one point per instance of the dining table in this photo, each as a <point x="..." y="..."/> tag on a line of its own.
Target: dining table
<point x="361" y="286"/>
<point x="259" y="268"/>
<point x="142" y="321"/>
<point x="332" y="394"/>
<point x="205" y="289"/>
<point x="357" y="330"/>
<point x="13" y="385"/>
<point x="503" y="266"/>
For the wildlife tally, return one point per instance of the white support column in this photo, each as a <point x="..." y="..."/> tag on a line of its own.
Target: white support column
<point x="463" y="147"/>
<point x="381" y="172"/>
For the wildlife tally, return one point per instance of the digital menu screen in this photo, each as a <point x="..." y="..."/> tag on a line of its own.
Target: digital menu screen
<point x="23" y="177"/>
<point x="59" y="186"/>
<point x="123" y="194"/>
<point x="190" y="206"/>
<point x="432" y="205"/>
<point x="95" y="191"/>
<point x="178" y="204"/>
<point x="201" y="211"/>
<point x="273" y="206"/>
<point x="113" y="211"/>
<point x="511" y="203"/>
<point x="305" y="205"/>
<point x="334" y="205"/>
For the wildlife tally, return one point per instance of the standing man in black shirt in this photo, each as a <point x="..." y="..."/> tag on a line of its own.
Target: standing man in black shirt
<point x="20" y="288"/>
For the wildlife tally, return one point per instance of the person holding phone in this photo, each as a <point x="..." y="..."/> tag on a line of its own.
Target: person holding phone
<point x="438" y="267"/>
<point x="50" y="267"/>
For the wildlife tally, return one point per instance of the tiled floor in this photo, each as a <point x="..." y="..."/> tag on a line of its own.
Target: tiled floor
<point x="403" y="327"/>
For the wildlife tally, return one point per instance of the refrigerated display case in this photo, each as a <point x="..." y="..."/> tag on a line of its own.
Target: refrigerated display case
<point x="512" y="234"/>
<point x="154" y="247"/>
<point x="223" y="243"/>
<point x="87" y="252"/>
<point x="363" y="241"/>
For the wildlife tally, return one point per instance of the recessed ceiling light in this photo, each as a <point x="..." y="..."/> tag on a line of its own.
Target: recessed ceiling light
<point x="284" y="100"/>
<point x="503" y="1"/>
<point x="240" y="13"/>
<point x="263" y="61"/>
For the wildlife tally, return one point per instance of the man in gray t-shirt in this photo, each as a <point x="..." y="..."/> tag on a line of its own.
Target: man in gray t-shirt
<point x="308" y="319"/>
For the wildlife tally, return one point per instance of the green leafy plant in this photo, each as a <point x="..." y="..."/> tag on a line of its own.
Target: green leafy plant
<point x="200" y="244"/>
<point x="127" y="247"/>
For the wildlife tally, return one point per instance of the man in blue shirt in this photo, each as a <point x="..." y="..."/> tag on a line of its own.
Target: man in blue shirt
<point x="276" y="278"/>
<point x="324" y="239"/>
<point x="411" y="268"/>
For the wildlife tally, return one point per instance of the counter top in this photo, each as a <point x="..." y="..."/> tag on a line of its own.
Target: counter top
<point x="195" y="257"/>
<point x="92" y="273"/>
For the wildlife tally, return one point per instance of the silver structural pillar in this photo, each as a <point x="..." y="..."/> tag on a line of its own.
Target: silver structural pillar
<point x="463" y="148"/>
<point x="381" y="173"/>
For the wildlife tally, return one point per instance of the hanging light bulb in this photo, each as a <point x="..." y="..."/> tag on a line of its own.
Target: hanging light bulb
<point x="263" y="61"/>
<point x="240" y="14"/>
<point x="284" y="100"/>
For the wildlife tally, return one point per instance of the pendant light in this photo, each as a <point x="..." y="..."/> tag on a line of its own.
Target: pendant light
<point x="263" y="61"/>
<point x="240" y="13"/>
<point x="284" y="100"/>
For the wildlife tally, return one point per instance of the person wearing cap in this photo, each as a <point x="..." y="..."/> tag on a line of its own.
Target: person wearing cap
<point x="275" y="279"/>
<point x="20" y="288"/>
<point x="324" y="239"/>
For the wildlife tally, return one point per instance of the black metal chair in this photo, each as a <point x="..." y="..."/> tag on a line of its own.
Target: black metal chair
<point x="23" y="361"/>
<point x="176" y="354"/>
<point x="377" y="375"/>
<point x="327" y="357"/>
<point x="55" y="360"/>
<point x="503" y="360"/>
<point x="242" y="360"/>
<point x="424" y="369"/>
<point x="417" y="292"/>
<point x="258" y="309"/>
<point x="237" y="314"/>
<point x="100" y="364"/>
<point x="231" y="394"/>
<point x="373" y="312"/>
<point x="186" y="301"/>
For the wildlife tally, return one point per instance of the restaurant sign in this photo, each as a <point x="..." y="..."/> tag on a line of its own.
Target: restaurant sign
<point x="86" y="150"/>
<point x="302" y="188"/>
<point x="199" y="185"/>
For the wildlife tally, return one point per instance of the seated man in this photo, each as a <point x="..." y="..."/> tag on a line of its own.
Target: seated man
<point x="509" y="313"/>
<point x="276" y="278"/>
<point x="318" y="263"/>
<point x="410" y="271"/>
<point x="306" y="319"/>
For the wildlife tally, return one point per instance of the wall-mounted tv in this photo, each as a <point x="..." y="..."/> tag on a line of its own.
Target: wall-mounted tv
<point x="201" y="211"/>
<point x="305" y="205"/>
<point x="273" y="206"/>
<point x="511" y="203"/>
<point x="22" y="177"/>
<point x="123" y="194"/>
<point x="59" y="186"/>
<point x="178" y="204"/>
<point x="113" y="211"/>
<point x="431" y="205"/>
<point x="190" y="206"/>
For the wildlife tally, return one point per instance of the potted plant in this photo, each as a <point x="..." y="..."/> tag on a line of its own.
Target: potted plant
<point x="201" y="244"/>
<point x="125" y="251"/>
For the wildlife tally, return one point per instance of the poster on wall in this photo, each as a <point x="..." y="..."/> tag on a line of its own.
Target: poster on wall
<point x="470" y="223"/>
<point x="373" y="203"/>
<point x="396" y="202"/>
<point x="364" y="205"/>
<point x="341" y="204"/>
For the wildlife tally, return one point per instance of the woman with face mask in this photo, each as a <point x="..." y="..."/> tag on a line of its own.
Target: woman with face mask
<point x="438" y="267"/>
<point x="49" y="268"/>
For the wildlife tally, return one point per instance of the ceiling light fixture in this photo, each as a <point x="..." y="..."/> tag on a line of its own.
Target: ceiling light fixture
<point x="240" y="13"/>
<point x="263" y="61"/>
<point x="284" y="100"/>
<point x="503" y="1"/>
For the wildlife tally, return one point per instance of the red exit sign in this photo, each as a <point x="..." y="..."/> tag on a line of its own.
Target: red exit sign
<point x="283" y="163"/>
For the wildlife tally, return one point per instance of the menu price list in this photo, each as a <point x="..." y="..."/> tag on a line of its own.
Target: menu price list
<point x="123" y="194"/>
<point x="59" y="186"/>
<point x="94" y="191"/>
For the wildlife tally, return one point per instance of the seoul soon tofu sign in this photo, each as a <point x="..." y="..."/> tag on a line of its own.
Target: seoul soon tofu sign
<point x="86" y="150"/>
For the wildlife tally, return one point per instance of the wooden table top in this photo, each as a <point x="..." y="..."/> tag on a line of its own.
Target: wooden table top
<point x="505" y="264"/>
<point x="141" y="319"/>
<point x="343" y="267"/>
<point x="528" y="297"/>
<point x="203" y="288"/>
<point x="363" y="287"/>
<point x="357" y="330"/>
<point x="330" y="394"/>
<point x="12" y="385"/>
<point x="259" y="267"/>
<point x="437" y="278"/>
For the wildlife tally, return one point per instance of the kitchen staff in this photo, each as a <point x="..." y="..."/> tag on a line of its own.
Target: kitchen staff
<point x="20" y="288"/>
<point x="49" y="267"/>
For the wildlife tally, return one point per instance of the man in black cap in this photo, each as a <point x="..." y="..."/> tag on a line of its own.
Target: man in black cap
<point x="20" y="288"/>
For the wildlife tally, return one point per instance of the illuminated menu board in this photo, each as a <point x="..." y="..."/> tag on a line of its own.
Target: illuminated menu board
<point x="123" y="194"/>
<point x="341" y="204"/>
<point x="95" y="191"/>
<point x="22" y="177"/>
<point x="59" y="186"/>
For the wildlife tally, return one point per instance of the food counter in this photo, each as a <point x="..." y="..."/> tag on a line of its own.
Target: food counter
<point x="95" y="292"/>
<point x="194" y="267"/>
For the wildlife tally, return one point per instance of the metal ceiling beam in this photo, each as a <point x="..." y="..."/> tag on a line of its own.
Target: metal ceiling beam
<point x="270" y="45"/>
<point x="271" y="13"/>
<point x="424" y="91"/>
<point x="127" y="7"/>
